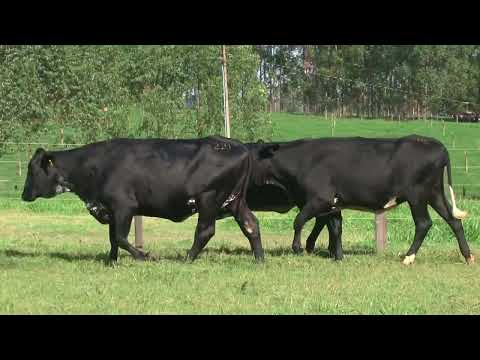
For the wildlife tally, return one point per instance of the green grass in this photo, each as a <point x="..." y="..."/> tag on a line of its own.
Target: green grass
<point x="52" y="253"/>
<point x="55" y="265"/>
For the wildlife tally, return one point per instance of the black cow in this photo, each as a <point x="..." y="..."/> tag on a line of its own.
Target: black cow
<point x="171" y="179"/>
<point x="324" y="176"/>
<point x="269" y="195"/>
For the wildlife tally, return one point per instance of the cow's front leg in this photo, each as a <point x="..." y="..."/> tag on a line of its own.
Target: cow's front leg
<point x="119" y="229"/>
<point x="203" y="233"/>
<point x="205" y="226"/>
<point x="113" y="243"/>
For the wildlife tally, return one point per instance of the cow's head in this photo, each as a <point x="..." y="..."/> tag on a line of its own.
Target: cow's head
<point x="42" y="177"/>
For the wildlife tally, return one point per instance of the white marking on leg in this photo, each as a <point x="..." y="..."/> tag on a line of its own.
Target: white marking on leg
<point x="471" y="260"/>
<point x="391" y="203"/>
<point x="409" y="259"/>
<point x="248" y="228"/>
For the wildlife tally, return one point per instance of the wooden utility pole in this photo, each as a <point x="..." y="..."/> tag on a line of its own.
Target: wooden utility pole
<point x="225" y="92"/>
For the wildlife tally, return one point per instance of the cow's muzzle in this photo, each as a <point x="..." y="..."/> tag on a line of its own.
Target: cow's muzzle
<point x="28" y="196"/>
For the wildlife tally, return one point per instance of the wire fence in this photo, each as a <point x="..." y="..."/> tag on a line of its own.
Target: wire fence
<point x="21" y="153"/>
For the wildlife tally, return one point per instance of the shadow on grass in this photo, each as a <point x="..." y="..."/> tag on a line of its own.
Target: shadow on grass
<point x="180" y="257"/>
<point x="286" y="251"/>
<point x="70" y="257"/>
<point x="58" y="255"/>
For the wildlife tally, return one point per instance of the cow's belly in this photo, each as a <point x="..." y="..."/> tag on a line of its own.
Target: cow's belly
<point x="163" y="202"/>
<point x="368" y="200"/>
<point x="176" y="210"/>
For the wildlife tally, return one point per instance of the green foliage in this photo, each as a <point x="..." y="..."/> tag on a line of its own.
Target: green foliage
<point x="98" y="92"/>
<point x="22" y="104"/>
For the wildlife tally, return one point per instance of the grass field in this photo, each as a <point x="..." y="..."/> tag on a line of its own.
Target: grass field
<point x="52" y="254"/>
<point x="54" y="264"/>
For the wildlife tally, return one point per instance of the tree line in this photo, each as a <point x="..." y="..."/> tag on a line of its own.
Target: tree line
<point x="176" y="90"/>
<point x="149" y="91"/>
<point x="384" y="81"/>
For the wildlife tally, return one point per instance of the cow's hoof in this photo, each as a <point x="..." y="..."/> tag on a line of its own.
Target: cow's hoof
<point x="409" y="259"/>
<point x="260" y="261"/>
<point x="151" y="257"/>
<point x="189" y="259"/>
<point x="111" y="263"/>
<point x="297" y="250"/>
<point x="471" y="260"/>
<point x="143" y="257"/>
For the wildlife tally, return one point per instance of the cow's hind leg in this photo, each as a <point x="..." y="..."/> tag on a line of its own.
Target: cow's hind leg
<point x="205" y="226"/>
<point x="423" y="223"/>
<point x="308" y="211"/>
<point x="317" y="229"/>
<point x="250" y="228"/>
<point x="440" y="205"/>
<point x="119" y="230"/>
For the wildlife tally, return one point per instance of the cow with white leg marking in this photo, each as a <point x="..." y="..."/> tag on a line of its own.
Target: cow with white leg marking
<point x="324" y="176"/>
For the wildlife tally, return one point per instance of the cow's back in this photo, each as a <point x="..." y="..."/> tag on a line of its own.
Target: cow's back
<point x="358" y="167"/>
<point x="158" y="175"/>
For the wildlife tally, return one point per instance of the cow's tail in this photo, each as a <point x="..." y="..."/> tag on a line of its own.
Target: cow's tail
<point x="456" y="212"/>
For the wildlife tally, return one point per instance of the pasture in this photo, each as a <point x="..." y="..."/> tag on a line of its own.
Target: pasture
<point x="52" y="253"/>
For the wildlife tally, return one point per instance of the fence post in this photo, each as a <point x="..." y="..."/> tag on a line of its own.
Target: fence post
<point x="138" y="232"/>
<point x="466" y="163"/>
<point x="381" y="230"/>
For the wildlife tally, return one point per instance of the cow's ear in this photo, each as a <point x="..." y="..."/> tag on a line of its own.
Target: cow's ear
<point x="268" y="151"/>
<point x="39" y="152"/>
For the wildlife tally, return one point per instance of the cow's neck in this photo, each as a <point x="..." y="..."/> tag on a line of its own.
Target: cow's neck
<point x="67" y="168"/>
